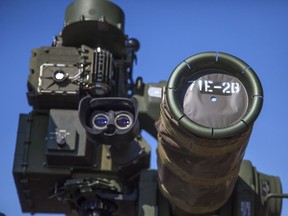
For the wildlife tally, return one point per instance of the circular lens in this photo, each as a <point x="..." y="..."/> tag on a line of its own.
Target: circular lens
<point x="123" y="121"/>
<point x="100" y="121"/>
<point x="59" y="76"/>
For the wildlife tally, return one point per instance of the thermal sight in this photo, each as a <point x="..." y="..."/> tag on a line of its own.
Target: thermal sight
<point x="109" y="121"/>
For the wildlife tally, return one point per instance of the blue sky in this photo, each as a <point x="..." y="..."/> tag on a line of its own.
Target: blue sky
<point x="169" y="32"/>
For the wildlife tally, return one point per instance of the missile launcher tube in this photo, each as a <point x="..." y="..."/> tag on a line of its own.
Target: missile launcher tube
<point x="199" y="154"/>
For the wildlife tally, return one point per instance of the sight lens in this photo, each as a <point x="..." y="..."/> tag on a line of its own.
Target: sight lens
<point x="100" y="121"/>
<point x="123" y="121"/>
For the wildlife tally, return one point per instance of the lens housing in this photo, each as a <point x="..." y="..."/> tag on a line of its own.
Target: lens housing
<point x="109" y="120"/>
